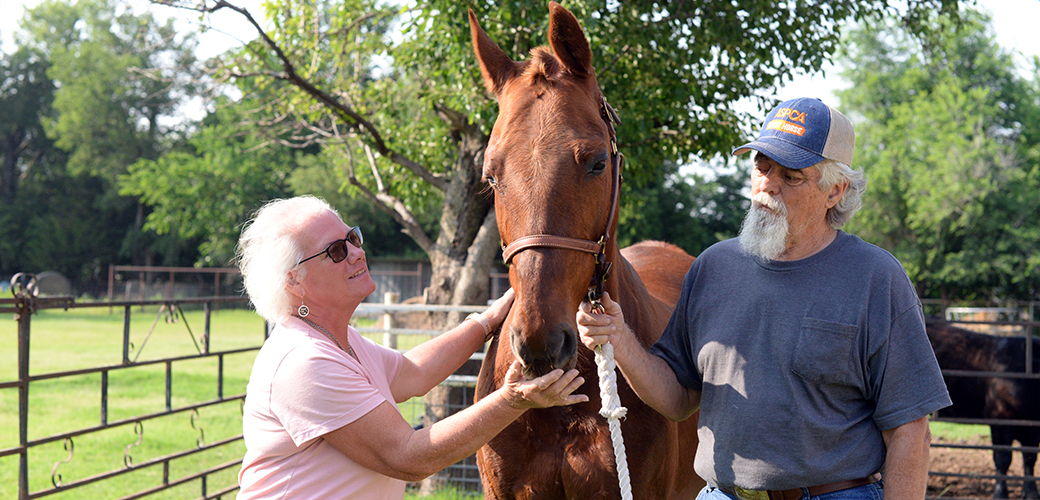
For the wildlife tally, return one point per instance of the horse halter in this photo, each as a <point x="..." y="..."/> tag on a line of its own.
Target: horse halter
<point x="596" y="248"/>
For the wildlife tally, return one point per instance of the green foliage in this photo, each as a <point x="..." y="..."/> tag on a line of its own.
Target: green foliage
<point x="692" y="211"/>
<point x="673" y="72"/>
<point x="112" y="89"/>
<point x="392" y="101"/>
<point x="101" y="81"/>
<point x="949" y="153"/>
<point x="380" y="100"/>
<point x="318" y="175"/>
<point x="25" y="100"/>
<point x="228" y="171"/>
<point x="221" y="182"/>
<point x="75" y="230"/>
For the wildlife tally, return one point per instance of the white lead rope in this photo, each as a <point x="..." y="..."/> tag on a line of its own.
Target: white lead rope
<point x="613" y="412"/>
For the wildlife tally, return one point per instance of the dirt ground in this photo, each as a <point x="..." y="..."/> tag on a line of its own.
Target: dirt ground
<point x="967" y="461"/>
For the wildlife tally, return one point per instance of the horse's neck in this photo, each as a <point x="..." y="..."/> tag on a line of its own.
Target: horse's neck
<point x="645" y="314"/>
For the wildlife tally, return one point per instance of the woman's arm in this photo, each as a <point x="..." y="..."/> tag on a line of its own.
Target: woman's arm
<point x="382" y="440"/>
<point x="429" y="363"/>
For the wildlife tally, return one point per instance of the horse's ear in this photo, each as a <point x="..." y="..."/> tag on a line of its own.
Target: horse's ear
<point x="568" y="41"/>
<point x="495" y="66"/>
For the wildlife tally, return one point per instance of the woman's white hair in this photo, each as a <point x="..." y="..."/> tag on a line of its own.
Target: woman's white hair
<point x="269" y="249"/>
<point x="833" y="173"/>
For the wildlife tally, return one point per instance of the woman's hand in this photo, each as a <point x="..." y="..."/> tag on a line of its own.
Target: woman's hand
<point x="497" y="311"/>
<point x="551" y="389"/>
<point x="595" y="328"/>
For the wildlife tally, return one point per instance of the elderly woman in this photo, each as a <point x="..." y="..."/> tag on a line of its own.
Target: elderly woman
<point x="320" y="417"/>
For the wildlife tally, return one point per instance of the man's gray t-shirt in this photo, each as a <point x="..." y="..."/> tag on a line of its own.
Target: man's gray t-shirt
<point x="800" y="364"/>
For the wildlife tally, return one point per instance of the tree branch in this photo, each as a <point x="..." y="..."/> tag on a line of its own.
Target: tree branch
<point x="344" y="111"/>
<point x="397" y="209"/>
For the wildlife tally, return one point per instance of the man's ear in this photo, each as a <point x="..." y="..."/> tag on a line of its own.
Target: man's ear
<point x="836" y="193"/>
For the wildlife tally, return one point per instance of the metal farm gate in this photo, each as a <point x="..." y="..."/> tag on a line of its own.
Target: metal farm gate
<point x="23" y="306"/>
<point x="64" y="448"/>
<point x="1000" y="322"/>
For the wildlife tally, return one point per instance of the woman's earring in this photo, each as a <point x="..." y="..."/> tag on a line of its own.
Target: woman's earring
<point x="303" y="311"/>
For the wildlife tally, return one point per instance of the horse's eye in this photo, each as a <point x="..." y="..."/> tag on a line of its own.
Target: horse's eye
<point x="492" y="181"/>
<point x="597" y="167"/>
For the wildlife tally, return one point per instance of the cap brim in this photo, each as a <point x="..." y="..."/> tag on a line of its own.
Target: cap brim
<point x="786" y="154"/>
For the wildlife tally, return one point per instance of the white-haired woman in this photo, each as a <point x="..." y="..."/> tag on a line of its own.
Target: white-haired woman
<point x="320" y="417"/>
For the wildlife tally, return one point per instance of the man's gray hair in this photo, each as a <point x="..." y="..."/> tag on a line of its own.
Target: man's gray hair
<point x="269" y="249"/>
<point x="833" y="173"/>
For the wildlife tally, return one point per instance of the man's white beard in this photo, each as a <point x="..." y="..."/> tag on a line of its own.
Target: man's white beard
<point x="764" y="234"/>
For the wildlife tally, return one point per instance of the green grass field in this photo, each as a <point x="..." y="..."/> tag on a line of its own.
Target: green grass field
<point x="82" y="338"/>
<point x="959" y="432"/>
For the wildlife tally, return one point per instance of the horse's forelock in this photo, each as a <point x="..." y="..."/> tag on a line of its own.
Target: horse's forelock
<point x="543" y="65"/>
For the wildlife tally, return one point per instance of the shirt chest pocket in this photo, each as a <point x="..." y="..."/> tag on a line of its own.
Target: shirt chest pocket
<point x="823" y="353"/>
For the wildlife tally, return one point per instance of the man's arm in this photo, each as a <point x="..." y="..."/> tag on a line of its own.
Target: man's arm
<point x="906" y="463"/>
<point x="650" y="376"/>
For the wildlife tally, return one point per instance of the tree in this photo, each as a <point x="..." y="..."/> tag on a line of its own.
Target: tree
<point x="25" y="99"/>
<point x="117" y="91"/>
<point x="409" y="120"/>
<point x="946" y="140"/>
<point x="25" y="103"/>
<point x="90" y="88"/>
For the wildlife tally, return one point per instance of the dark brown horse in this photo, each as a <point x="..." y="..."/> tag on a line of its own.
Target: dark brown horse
<point x="555" y="173"/>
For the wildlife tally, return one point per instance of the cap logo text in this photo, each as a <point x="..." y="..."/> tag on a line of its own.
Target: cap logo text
<point x="786" y="126"/>
<point x="791" y="114"/>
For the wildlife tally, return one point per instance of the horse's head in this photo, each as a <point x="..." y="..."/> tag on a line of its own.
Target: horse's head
<point x="554" y="169"/>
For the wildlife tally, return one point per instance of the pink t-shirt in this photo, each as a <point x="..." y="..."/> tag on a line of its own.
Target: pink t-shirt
<point x="302" y="387"/>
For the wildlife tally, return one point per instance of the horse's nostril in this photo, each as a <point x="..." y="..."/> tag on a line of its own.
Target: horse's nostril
<point x="569" y="347"/>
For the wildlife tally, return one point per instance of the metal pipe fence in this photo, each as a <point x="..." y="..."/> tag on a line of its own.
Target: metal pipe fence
<point x="205" y="480"/>
<point x="24" y="305"/>
<point x="1006" y="328"/>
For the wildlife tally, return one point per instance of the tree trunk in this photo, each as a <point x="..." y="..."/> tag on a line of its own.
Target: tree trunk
<point x="465" y="250"/>
<point x="466" y="207"/>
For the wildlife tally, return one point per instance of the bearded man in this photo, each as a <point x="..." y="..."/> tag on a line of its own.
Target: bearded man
<point x="803" y="346"/>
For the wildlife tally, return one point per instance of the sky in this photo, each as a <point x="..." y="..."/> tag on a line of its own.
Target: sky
<point x="1014" y="23"/>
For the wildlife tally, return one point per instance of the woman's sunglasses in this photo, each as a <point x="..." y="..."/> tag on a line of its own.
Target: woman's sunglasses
<point x="338" y="250"/>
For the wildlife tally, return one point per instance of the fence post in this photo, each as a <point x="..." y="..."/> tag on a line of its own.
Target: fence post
<point x="25" y="304"/>
<point x="111" y="284"/>
<point x="389" y="339"/>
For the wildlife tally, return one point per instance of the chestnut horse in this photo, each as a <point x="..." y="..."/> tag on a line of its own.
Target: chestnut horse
<point x="554" y="171"/>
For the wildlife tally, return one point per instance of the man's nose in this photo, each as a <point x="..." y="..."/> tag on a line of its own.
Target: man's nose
<point x="770" y="181"/>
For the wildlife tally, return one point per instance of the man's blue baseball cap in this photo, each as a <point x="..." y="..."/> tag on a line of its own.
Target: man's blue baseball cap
<point x="801" y="132"/>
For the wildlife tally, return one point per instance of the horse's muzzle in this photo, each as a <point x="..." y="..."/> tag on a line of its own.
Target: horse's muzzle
<point x="542" y="351"/>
